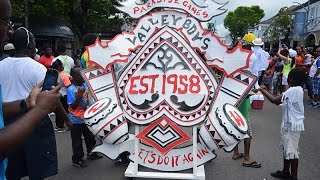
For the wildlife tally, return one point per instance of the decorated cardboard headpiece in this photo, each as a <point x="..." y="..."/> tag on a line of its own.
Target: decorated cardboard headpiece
<point x="248" y="39"/>
<point x="167" y="89"/>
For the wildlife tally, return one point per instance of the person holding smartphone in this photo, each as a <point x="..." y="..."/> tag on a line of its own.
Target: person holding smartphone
<point x="37" y="158"/>
<point x="37" y="104"/>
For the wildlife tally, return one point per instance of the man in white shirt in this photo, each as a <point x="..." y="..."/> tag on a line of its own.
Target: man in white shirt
<point x="262" y="56"/>
<point x="68" y="62"/>
<point x="315" y="76"/>
<point x="37" y="158"/>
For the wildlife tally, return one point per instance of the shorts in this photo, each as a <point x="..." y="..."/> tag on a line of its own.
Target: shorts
<point x="290" y="144"/>
<point x="316" y="86"/>
<point x="244" y="108"/>
<point x="284" y="80"/>
<point x="37" y="157"/>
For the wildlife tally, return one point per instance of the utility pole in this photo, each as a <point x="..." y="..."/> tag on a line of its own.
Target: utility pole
<point x="307" y="24"/>
<point x="307" y="18"/>
<point x="26" y="17"/>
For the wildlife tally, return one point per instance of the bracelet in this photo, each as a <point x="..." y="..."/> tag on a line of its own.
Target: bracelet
<point x="23" y="106"/>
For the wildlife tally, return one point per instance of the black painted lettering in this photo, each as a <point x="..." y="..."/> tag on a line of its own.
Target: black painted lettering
<point x="153" y="22"/>
<point x="192" y="30"/>
<point x="175" y="20"/>
<point x="206" y="44"/>
<point x="133" y="40"/>
<point x="141" y="37"/>
<point x="147" y="30"/>
<point x="187" y="24"/>
<point x="197" y="37"/>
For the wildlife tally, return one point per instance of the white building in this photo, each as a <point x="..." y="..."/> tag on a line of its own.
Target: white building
<point x="313" y="22"/>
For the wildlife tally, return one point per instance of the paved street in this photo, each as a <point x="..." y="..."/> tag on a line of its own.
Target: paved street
<point x="265" y="149"/>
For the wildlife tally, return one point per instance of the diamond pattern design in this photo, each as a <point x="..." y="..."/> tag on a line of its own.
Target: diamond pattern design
<point x="163" y="135"/>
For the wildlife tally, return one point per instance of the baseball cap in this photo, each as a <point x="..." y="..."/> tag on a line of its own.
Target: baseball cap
<point x="8" y="47"/>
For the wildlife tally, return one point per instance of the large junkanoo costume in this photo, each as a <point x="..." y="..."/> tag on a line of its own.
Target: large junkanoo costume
<point x="168" y="90"/>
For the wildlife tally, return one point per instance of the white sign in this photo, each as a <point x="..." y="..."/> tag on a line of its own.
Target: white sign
<point x="176" y="160"/>
<point x="202" y="10"/>
<point x="167" y="87"/>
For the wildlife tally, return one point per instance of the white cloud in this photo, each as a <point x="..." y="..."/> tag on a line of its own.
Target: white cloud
<point x="270" y="7"/>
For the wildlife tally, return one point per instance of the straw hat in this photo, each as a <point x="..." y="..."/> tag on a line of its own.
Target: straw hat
<point x="257" y="42"/>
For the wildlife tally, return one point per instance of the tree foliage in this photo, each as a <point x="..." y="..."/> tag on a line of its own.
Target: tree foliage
<point x="241" y="19"/>
<point x="84" y="15"/>
<point x="281" y="25"/>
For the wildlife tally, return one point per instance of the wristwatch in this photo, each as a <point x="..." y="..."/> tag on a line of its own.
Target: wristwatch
<point x="23" y="106"/>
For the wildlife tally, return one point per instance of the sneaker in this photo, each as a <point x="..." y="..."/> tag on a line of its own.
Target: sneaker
<point x="308" y="104"/>
<point x="281" y="175"/>
<point x="122" y="159"/>
<point x="313" y="105"/>
<point x="317" y="106"/>
<point x="81" y="163"/>
<point x="94" y="156"/>
<point x="60" y="130"/>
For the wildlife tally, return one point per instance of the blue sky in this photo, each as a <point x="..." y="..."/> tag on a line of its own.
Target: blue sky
<point x="270" y="7"/>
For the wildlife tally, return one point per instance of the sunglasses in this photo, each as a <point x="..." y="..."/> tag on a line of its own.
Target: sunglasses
<point x="7" y="23"/>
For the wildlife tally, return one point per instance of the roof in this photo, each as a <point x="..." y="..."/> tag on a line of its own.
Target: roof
<point x="50" y="26"/>
<point x="305" y="4"/>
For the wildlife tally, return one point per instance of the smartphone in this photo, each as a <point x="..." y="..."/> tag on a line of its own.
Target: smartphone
<point x="50" y="79"/>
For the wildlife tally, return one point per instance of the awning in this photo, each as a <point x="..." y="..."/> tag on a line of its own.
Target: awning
<point x="49" y="26"/>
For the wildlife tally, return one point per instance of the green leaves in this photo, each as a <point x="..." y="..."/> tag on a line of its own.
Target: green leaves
<point x="85" y="15"/>
<point x="241" y="19"/>
<point x="281" y="25"/>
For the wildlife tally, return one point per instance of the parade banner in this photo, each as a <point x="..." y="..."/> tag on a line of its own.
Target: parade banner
<point x="299" y="23"/>
<point x="167" y="90"/>
<point x="202" y="10"/>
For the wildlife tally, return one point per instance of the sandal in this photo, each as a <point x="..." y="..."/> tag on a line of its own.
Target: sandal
<point x="241" y="155"/>
<point x="254" y="164"/>
<point x="281" y="175"/>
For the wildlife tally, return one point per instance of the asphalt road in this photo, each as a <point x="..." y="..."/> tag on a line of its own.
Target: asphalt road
<point x="265" y="149"/>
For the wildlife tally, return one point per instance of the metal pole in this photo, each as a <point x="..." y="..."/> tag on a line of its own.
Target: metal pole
<point x="26" y="17"/>
<point x="307" y="18"/>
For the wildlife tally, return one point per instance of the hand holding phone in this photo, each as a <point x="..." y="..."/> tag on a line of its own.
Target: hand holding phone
<point x="50" y="79"/>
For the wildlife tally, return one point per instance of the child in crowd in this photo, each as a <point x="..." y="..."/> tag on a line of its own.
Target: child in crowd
<point x="292" y="121"/>
<point x="267" y="79"/>
<point x="277" y="78"/>
<point x="78" y="100"/>
<point x="64" y="82"/>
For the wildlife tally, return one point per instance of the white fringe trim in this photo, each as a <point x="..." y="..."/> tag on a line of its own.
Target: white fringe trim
<point x="297" y="126"/>
<point x="291" y="155"/>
